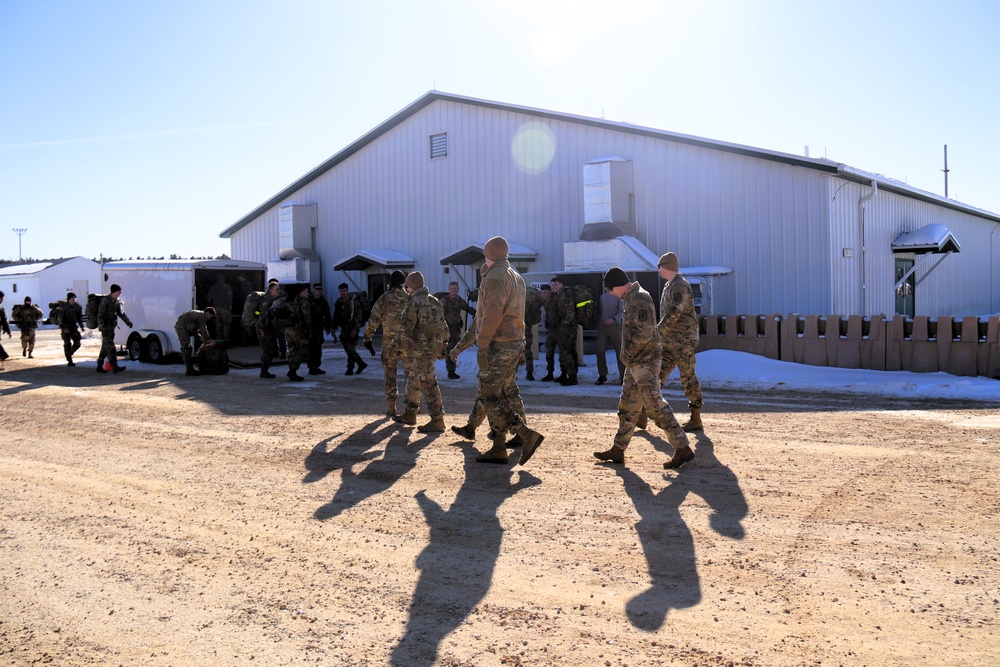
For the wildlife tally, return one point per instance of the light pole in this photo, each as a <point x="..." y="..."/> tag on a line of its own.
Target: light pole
<point x="20" y="232"/>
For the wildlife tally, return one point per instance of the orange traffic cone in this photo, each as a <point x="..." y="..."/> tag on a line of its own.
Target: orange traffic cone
<point x="107" y="365"/>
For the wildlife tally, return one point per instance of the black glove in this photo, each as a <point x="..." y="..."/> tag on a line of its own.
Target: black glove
<point x="370" y="347"/>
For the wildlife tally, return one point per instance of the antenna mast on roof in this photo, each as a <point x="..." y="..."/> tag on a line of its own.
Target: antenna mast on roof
<point x="946" y="170"/>
<point x="20" y="232"/>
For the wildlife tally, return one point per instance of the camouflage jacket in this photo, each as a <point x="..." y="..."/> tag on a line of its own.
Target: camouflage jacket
<point x="453" y="309"/>
<point x="640" y="338"/>
<point x="319" y="313"/>
<point x="500" y="315"/>
<point x="194" y="323"/>
<point x="387" y="313"/>
<point x="422" y="331"/>
<point x="677" y="316"/>
<point x="4" y="325"/>
<point x="301" y="319"/>
<point x="72" y="316"/>
<point x="28" y="316"/>
<point x="566" y="309"/>
<point x="109" y="311"/>
<point x="551" y="311"/>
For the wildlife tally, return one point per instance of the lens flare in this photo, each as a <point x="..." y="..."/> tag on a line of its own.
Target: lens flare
<point x="533" y="147"/>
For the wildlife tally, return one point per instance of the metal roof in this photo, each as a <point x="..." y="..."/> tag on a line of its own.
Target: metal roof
<point x="820" y="164"/>
<point x="934" y="238"/>
<point x="389" y="259"/>
<point x="473" y="253"/>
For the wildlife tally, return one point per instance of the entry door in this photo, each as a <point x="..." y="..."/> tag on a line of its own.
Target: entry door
<point x="80" y="289"/>
<point x="904" y="293"/>
<point x="377" y="285"/>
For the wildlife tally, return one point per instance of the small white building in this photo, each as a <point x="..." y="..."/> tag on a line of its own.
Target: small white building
<point x="49" y="280"/>
<point x="787" y="233"/>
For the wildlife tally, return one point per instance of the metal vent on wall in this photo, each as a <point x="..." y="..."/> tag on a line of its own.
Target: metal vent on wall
<point x="439" y="145"/>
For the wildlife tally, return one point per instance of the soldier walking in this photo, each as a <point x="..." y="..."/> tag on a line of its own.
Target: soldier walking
<point x="387" y="313"/>
<point x="70" y="326"/>
<point x="193" y="323"/>
<point x="27" y="319"/>
<point x="296" y="328"/>
<point x="679" y="335"/>
<point x="265" y="333"/>
<point x="454" y="307"/>
<point x="641" y="384"/>
<point x="108" y="312"/>
<point x="4" y="329"/>
<point x="320" y="322"/>
<point x="349" y="320"/>
<point x="500" y="338"/>
<point x="422" y="337"/>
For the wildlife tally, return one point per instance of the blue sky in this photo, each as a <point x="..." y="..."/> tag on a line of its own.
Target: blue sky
<point x="138" y="128"/>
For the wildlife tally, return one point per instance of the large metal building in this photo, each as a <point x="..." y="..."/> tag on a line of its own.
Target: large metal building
<point x="781" y="233"/>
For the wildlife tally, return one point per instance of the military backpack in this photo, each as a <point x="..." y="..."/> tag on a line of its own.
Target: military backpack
<point x="532" y="306"/>
<point x="251" y="308"/>
<point x="93" y="307"/>
<point x="56" y="312"/>
<point x="586" y="309"/>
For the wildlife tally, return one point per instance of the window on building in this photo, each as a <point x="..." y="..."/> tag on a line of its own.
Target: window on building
<point x="439" y="145"/>
<point x="14" y="288"/>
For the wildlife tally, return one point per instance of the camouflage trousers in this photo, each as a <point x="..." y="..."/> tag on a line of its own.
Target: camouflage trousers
<point x="478" y="414"/>
<point x="498" y="392"/>
<point x="224" y="323"/>
<point x="421" y="380"/>
<point x="550" y="351"/>
<point x="187" y="351"/>
<point x="107" y="348"/>
<point x="567" y="350"/>
<point x="71" y="341"/>
<point x="298" y="348"/>
<point x="268" y="348"/>
<point x="28" y="339"/>
<point x="682" y="357"/>
<point x="390" y="368"/>
<point x="454" y="335"/>
<point x="641" y="391"/>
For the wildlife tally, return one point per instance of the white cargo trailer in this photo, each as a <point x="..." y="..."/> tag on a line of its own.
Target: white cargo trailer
<point x="156" y="292"/>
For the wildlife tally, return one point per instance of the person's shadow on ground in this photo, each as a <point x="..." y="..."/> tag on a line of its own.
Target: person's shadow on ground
<point x="666" y="539"/>
<point x="398" y="458"/>
<point x="456" y="567"/>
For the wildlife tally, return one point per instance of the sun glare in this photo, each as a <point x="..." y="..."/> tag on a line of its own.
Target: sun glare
<point x="533" y="147"/>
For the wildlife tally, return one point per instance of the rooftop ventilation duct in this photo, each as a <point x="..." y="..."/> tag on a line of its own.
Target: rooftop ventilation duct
<point x="607" y="199"/>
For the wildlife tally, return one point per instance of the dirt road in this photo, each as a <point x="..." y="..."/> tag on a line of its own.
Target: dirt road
<point x="154" y="519"/>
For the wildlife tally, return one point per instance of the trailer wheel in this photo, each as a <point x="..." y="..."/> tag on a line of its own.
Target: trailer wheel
<point x="154" y="349"/>
<point x="135" y="347"/>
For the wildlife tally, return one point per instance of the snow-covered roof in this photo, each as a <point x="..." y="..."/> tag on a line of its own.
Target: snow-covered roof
<point x="28" y="268"/>
<point x="359" y="261"/>
<point x="935" y="237"/>
<point x="473" y="253"/>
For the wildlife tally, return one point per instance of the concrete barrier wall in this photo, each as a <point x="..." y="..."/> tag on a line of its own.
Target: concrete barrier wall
<point x="966" y="346"/>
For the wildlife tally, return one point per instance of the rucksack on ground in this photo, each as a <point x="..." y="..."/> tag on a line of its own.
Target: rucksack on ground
<point x="213" y="360"/>
<point x="93" y="306"/>
<point x="586" y="309"/>
<point x="56" y="312"/>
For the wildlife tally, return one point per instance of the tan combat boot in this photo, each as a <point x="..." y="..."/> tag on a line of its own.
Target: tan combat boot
<point x="614" y="455"/>
<point x="496" y="454"/>
<point x="409" y="417"/>
<point x="694" y="423"/>
<point x="435" y="425"/>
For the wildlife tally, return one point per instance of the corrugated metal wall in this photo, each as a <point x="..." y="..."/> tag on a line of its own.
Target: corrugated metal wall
<point x="779" y="227"/>
<point x="963" y="284"/>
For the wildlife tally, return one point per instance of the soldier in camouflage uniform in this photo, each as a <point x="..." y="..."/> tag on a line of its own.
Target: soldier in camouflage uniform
<point x="70" y="326"/>
<point x="265" y="334"/>
<point x="4" y="328"/>
<point x="108" y="313"/>
<point x="549" y="302"/>
<point x="422" y="337"/>
<point x="387" y="312"/>
<point x="566" y="332"/>
<point x="193" y="323"/>
<point x="349" y="320"/>
<point x="27" y="321"/>
<point x="478" y="414"/>
<point x="679" y="336"/>
<point x="641" y="384"/>
<point x="500" y="338"/>
<point x="454" y="306"/>
<point x="532" y="316"/>
<point x="296" y="329"/>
